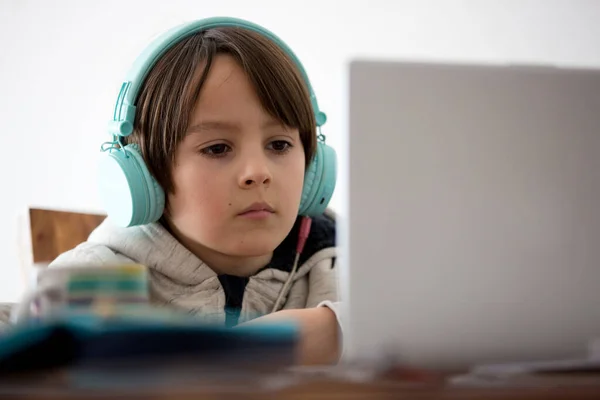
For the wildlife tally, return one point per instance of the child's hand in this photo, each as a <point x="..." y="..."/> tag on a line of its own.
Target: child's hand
<point x="319" y="333"/>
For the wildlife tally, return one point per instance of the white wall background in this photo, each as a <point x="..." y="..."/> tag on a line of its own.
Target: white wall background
<point x="62" y="61"/>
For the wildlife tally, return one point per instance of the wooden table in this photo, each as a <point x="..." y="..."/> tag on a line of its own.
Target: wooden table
<point x="390" y="385"/>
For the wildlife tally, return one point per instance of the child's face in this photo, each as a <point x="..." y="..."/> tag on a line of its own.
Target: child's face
<point x="235" y="155"/>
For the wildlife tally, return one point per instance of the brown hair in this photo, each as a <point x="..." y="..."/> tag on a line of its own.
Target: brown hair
<point x="171" y="88"/>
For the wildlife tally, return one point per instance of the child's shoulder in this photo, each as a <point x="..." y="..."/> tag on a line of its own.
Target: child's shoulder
<point x="109" y="244"/>
<point x="89" y="254"/>
<point x="99" y="249"/>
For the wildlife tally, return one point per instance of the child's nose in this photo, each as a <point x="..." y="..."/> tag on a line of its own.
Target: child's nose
<point x="256" y="173"/>
<point x="258" y="181"/>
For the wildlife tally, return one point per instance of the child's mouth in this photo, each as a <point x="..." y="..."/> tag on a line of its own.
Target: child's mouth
<point x="256" y="214"/>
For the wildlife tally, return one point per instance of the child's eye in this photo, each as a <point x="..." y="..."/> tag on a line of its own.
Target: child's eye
<point x="280" y="146"/>
<point x="216" y="150"/>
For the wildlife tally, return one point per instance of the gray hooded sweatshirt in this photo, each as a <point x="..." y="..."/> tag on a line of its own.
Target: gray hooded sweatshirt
<point x="181" y="280"/>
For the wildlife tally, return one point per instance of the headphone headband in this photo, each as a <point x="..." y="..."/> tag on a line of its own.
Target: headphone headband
<point x="124" y="112"/>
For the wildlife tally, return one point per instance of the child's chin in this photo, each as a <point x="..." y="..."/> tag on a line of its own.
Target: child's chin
<point x="255" y="247"/>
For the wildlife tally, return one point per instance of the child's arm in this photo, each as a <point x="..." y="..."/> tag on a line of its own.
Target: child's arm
<point x="320" y="338"/>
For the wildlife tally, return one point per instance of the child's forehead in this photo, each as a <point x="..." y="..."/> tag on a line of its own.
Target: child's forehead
<point x="222" y="68"/>
<point x="228" y="100"/>
<point x="226" y="84"/>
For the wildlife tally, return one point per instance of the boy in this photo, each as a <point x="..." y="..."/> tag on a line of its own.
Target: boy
<point x="225" y="125"/>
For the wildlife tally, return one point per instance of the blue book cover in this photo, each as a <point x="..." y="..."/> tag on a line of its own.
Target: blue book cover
<point x="91" y="341"/>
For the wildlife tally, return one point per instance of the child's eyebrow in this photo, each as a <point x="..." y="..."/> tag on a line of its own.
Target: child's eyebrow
<point x="205" y="126"/>
<point x="273" y="123"/>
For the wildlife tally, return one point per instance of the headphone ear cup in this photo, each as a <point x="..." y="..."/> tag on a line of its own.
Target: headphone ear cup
<point x="319" y="182"/>
<point x="131" y="196"/>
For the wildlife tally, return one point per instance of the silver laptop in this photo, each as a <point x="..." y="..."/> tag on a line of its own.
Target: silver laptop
<point x="472" y="234"/>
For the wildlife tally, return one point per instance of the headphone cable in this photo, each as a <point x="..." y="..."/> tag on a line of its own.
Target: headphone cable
<point x="305" y="225"/>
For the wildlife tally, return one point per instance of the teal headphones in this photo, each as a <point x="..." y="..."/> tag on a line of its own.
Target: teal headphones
<point x="131" y="196"/>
